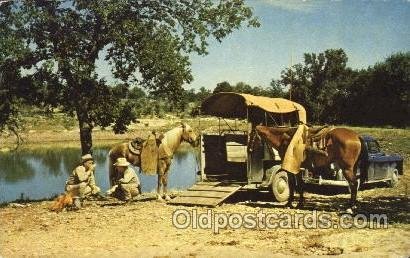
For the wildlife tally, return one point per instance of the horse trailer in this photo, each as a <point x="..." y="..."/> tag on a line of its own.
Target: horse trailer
<point x="228" y="161"/>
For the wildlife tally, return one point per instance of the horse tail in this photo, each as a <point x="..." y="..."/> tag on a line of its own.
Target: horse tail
<point x="359" y="163"/>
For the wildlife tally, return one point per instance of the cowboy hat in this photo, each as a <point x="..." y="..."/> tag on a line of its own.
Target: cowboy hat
<point x="86" y="158"/>
<point x="121" y="162"/>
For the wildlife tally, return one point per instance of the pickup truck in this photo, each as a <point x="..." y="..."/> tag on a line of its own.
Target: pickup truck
<point x="373" y="166"/>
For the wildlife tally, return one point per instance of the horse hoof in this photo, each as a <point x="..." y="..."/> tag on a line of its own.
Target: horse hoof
<point x="159" y="198"/>
<point x="167" y="198"/>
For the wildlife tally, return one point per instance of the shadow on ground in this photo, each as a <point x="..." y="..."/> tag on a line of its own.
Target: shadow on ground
<point x="331" y="199"/>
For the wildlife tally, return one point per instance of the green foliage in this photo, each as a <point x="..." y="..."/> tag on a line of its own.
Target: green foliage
<point x="388" y="92"/>
<point x="10" y="99"/>
<point x="276" y="90"/>
<point x="315" y="82"/>
<point x="377" y="96"/>
<point x="331" y="92"/>
<point x="223" y="87"/>
<point x="203" y="94"/>
<point x="241" y="87"/>
<point x="136" y="93"/>
<point x="125" y="113"/>
<point x="11" y="48"/>
<point x="146" y="43"/>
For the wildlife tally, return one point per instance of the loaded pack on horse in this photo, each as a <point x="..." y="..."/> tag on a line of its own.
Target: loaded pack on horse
<point x="153" y="155"/>
<point x="322" y="147"/>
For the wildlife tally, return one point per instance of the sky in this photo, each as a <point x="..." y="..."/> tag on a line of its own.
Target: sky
<point x="368" y="31"/>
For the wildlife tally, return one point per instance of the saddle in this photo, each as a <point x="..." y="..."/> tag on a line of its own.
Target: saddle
<point x="135" y="145"/>
<point x="147" y="150"/>
<point x="316" y="139"/>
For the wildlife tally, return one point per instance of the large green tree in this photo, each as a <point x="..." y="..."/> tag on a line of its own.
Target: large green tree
<point x="390" y="89"/>
<point x="10" y="101"/>
<point x="315" y="82"/>
<point x="11" y="95"/>
<point x="379" y="95"/>
<point x="276" y="89"/>
<point x="223" y="87"/>
<point x="334" y="93"/>
<point x="242" y="87"/>
<point x="145" y="42"/>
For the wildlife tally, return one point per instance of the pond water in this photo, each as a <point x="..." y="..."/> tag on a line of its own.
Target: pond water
<point x="41" y="173"/>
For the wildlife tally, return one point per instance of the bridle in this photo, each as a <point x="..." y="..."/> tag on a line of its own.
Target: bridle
<point x="184" y="132"/>
<point x="254" y="135"/>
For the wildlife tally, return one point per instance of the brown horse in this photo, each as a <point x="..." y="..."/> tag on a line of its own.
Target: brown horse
<point x="342" y="146"/>
<point x="169" y="144"/>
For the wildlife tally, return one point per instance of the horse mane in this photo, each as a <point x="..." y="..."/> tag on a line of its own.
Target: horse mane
<point x="172" y="138"/>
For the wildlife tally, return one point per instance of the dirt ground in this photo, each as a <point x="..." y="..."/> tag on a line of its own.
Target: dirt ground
<point x="144" y="228"/>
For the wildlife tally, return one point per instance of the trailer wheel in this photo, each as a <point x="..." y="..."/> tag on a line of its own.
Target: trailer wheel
<point x="280" y="186"/>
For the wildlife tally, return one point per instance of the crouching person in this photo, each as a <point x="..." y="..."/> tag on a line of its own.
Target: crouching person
<point x="127" y="184"/>
<point x="81" y="182"/>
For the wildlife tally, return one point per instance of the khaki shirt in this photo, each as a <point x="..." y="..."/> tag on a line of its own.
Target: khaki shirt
<point x="130" y="177"/>
<point x="80" y="175"/>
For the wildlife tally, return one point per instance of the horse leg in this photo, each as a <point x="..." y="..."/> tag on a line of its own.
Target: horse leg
<point x="163" y="168"/>
<point x="292" y="187"/>
<point x="111" y="171"/>
<point x="353" y="187"/>
<point x="301" y="189"/>
<point x="295" y="184"/>
<point x="159" y="186"/>
<point x="165" y="178"/>
<point x="165" y="185"/>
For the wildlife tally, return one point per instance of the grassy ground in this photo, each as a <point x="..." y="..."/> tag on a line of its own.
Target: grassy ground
<point x="391" y="140"/>
<point x="62" y="128"/>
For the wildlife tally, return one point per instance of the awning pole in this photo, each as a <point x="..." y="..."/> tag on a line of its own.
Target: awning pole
<point x="201" y="160"/>
<point x="249" y="154"/>
<point x="199" y="122"/>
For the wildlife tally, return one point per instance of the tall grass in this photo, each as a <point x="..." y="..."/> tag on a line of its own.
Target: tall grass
<point x="391" y="140"/>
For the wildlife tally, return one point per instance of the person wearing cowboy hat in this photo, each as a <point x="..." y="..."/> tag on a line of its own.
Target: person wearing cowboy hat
<point x="81" y="182"/>
<point x="128" y="184"/>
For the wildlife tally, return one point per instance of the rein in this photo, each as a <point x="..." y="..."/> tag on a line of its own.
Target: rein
<point x="254" y="136"/>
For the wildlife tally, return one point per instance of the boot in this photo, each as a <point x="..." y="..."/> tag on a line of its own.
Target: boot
<point x="127" y="201"/>
<point x="100" y="196"/>
<point x="77" y="203"/>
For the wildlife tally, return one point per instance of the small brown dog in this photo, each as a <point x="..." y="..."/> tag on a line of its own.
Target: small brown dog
<point x="61" y="202"/>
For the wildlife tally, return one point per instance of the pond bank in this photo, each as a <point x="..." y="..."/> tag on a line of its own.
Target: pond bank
<point x="33" y="135"/>
<point x="40" y="171"/>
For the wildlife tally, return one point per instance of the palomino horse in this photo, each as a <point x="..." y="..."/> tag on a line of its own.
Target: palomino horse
<point x="342" y="146"/>
<point x="169" y="144"/>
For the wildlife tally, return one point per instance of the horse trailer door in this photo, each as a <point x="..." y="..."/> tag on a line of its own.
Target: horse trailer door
<point x="255" y="166"/>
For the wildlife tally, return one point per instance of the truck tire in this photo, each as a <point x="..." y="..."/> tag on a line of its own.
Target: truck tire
<point x="270" y="173"/>
<point x="280" y="186"/>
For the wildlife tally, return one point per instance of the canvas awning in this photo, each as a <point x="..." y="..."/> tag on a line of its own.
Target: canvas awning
<point x="235" y="105"/>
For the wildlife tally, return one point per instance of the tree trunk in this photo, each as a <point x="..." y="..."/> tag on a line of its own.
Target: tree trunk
<point x="85" y="132"/>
